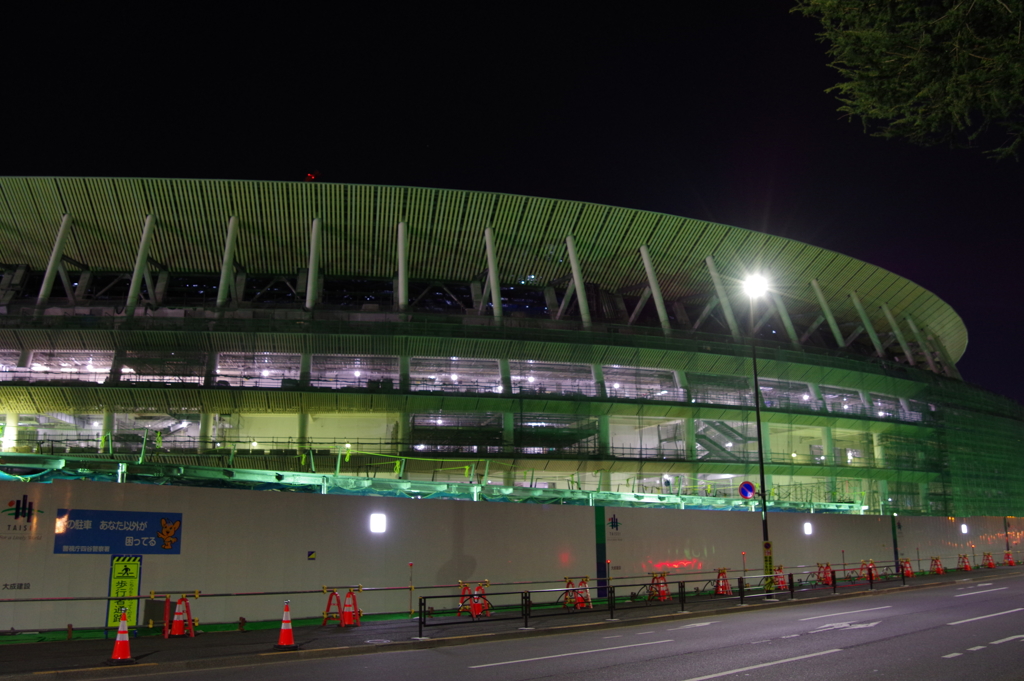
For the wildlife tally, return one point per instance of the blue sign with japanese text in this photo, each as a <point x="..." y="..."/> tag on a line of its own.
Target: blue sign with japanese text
<point x="83" y="531"/>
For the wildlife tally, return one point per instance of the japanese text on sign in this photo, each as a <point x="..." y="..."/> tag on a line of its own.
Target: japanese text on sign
<point x="87" y="531"/>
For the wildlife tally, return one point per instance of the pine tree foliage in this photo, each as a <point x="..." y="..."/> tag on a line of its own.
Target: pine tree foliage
<point x="929" y="71"/>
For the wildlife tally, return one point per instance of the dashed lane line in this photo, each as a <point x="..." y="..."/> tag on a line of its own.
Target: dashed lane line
<point x="983" y="591"/>
<point x="1004" y="640"/>
<point x="581" y="652"/>
<point x="978" y="648"/>
<point x="848" y="612"/>
<point x="953" y="655"/>
<point x="691" y="626"/>
<point x="984" y="617"/>
<point x="762" y="665"/>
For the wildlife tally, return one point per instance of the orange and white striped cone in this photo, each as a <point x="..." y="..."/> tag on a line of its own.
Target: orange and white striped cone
<point x="122" y="651"/>
<point x="286" y="639"/>
<point x="178" y="626"/>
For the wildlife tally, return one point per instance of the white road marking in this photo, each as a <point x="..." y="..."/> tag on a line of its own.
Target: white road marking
<point x="641" y="633"/>
<point x="848" y="612"/>
<point x="984" y="617"/>
<point x="763" y="665"/>
<point x="764" y="640"/>
<point x="986" y="584"/>
<point x="986" y="591"/>
<point x="953" y="655"/>
<point x="791" y="636"/>
<point x="690" y="626"/>
<point x="581" y="652"/>
<point x="615" y="636"/>
<point x="978" y="648"/>
<point x="835" y="626"/>
<point x="1004" y="640"/>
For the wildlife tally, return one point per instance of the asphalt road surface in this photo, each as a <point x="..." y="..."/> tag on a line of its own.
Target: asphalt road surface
<point x="960" y="630"/>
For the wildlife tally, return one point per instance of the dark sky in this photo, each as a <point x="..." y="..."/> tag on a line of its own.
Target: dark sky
<point x="717" y="113"/>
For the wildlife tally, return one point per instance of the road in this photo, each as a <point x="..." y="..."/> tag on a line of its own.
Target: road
<point x="957" y="630"/>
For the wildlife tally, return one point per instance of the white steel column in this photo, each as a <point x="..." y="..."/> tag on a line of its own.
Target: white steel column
<point x="404" y="381"/>
<point x="305" y="369"/>
<point x="723" y="298"/>
<point x="492" y="273"/>
<point x="210" y="377"/>
<point x="577" y="277"/>
<point x="403" y="272"/>
<point x="925" y="350"/>
<point x="652" y="281"/>
<point x="55" y="260"/>
<point x="832" y="324"/>
<point x="787" y="321"/>
<point x="141" y="267"/>
<point x="505" y="370"/>
<point x="508" y="432"/>
<point x="766" y="444"/>
<point x="303" y="431"/>
<point x="899" y="334"/>
<point x="116" y="367"/>
<point x="867" y="324"/>
<point x="604" y="435"/>
<point x="11" y="432"/>
<point x="205" y="431"/>
<point x="947" y="362"/>
<point x="313" y="276"/>
<point x="883" y="485"/>
<point x="107" y="431"/>
<point x="227" y="268"/>
<point x="602" y="389"/>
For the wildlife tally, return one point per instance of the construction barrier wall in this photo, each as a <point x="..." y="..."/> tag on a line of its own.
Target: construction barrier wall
<point x="248" y="541"/>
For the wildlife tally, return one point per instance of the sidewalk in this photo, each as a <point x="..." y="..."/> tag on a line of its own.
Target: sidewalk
<point x="154" y="654"/>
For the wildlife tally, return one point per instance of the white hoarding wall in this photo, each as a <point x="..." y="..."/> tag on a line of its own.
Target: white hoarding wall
<point x="231" y="541"/>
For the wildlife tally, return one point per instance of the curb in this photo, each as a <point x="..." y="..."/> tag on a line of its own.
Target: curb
<point x="225" y="662"/>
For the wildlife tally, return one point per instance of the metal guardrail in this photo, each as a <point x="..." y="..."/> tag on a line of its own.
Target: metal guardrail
<point x="525" y="605"/>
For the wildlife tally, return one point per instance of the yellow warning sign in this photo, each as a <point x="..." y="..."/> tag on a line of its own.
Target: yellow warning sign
<point x="125" y="575"/>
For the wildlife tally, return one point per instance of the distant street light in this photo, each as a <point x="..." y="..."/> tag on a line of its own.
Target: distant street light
<point x="756" y="286"/>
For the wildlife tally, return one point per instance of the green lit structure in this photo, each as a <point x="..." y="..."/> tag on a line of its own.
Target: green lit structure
<point x="434" y="343"/>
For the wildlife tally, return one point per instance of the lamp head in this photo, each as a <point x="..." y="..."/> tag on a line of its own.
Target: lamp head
<point x="755" y="285"/>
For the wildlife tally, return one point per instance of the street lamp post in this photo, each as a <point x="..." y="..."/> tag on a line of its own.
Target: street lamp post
<point x="756" y="286"/>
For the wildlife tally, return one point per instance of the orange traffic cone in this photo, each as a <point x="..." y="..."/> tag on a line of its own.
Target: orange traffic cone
<point x="122" y="652"/>
<point x="286" y="640"/>
<point x="178" y="625"/>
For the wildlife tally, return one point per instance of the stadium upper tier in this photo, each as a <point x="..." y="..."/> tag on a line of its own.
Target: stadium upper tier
<point x="138" y="247"/>
<point x="394" y="340"/>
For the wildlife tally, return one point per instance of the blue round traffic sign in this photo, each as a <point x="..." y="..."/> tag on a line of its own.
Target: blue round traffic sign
<point x="747" y="490"/>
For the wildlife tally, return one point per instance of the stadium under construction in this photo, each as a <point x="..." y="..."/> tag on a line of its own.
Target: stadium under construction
<point x="426" y="343"/>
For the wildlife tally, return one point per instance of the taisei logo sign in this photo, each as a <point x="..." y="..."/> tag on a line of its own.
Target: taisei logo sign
<point x="19" y="519"/>
<point x="20" y="509"/>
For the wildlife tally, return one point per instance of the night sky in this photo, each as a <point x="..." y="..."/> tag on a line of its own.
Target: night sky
<point x="714" y="112"/>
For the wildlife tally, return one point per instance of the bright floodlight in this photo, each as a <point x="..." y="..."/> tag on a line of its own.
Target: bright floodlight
<point x="378" y="522"/>
<point x="755" y="286"/>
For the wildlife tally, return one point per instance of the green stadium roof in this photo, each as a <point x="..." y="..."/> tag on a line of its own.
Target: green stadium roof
<point x="445" y="233"/>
